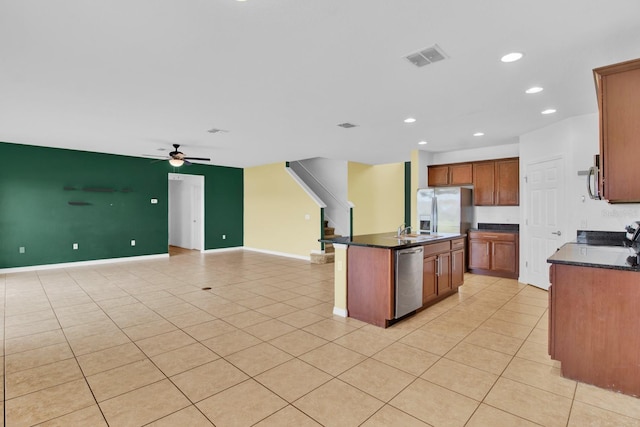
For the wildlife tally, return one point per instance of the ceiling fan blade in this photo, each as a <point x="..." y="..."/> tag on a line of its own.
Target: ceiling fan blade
<point x="198" y="158"/>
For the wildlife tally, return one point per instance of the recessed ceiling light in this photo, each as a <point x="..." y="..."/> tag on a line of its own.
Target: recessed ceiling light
<point x="409" y="120"/>
<point x="512" y="57"/>
<point x="535" y="89"/>
<point x="422" y="143"/>
<point x="548" y="111"/>
<point x="478" y="134"/>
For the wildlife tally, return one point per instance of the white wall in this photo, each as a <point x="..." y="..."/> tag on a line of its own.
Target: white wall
<point x="327" y="178"/>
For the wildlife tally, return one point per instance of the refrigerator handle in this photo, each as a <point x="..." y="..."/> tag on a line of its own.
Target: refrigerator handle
<point x="434" y="215"/>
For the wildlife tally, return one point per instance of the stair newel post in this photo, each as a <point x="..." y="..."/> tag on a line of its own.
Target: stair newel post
<point x="322" y="228"/>
<point x="351" y="223"/>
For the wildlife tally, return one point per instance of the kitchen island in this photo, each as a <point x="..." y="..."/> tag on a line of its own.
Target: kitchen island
<point x="369" y="283"/>
<point x="594" y="312"/>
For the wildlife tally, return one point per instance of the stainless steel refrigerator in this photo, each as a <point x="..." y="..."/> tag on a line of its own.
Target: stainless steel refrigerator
<point x="445" y="209"/>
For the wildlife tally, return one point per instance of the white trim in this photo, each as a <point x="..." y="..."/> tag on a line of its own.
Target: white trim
<point x="340" y="245"/>
<point x="211" y="251"/>
<point x="340" y="312"/>
<point x="305" y="187"/>
<point x="82" y="263"/>
<point x="284" y="254"/>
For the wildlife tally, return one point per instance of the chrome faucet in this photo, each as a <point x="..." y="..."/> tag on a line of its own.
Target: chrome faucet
<point x="403" y="230"/>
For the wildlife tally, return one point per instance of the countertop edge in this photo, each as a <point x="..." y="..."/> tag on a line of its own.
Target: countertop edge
<point x="407" y="243"/>
<point x="559" y="258"/>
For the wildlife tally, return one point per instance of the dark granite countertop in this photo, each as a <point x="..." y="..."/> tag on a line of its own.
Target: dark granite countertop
<point x="391" y="241"/>
<point x="585" y="255"/>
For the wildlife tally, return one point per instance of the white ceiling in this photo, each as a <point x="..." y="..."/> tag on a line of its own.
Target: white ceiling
<point x="133" y="77"/>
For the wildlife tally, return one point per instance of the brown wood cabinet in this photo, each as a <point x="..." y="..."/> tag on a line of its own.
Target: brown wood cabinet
<point x="370" y="284"/>
<point x="443" y="270"/>
<point x="494" y="253"/>
<point x="495" y="182"/>
<point x="618" y="91"/>
<point x="455" y="174"/>
<point x="457" y="263"/>
<point x="593" y="318"/>
<point x="507" y="184"/>
<point x="484" y="180"/>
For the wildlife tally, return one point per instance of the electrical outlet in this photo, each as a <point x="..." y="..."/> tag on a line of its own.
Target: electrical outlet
<point x="133" y="242"/>
<point x="224" y="236"/>
<point x="307" y="217"/>
<point x="21" y="249"/>
<point x="75" y="246"/>
<point x="583" y="223"/>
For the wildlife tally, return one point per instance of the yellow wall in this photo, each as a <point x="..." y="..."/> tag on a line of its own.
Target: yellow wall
<point x="274" y="212"/>
<point x="378" y="195"/>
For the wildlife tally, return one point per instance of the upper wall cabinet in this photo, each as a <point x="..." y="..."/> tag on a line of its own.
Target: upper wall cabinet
<point x="495" y="182"/>
<point x="618" y="90"/>
<point x="458" y="174"/>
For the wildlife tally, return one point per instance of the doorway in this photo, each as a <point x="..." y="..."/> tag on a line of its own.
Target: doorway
<point x="546" y="217"/>
<point x="186" y="211"/>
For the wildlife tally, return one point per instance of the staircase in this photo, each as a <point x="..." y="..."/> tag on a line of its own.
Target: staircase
<point x="329" y="251"/>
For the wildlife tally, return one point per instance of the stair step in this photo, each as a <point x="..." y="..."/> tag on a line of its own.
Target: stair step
<point x="329" y="230"/>
<point x="322" y="258"/>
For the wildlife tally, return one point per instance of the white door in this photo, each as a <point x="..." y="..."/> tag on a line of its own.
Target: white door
<point x="545" y="217"/>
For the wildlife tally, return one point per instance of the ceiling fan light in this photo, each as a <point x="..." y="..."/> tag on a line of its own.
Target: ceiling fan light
<point x="176" y="162"/>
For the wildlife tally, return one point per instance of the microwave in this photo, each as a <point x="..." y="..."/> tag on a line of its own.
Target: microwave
<point x="593" y="179"/>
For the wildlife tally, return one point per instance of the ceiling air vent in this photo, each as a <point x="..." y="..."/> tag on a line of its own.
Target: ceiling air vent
<point x="427" y="56"/>
<point x="347" y="125"/>
<point x="214" y="130"/>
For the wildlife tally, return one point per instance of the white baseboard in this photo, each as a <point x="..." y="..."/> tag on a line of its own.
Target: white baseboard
<point x="82" y="263"/>
<point x="284" y="254"/>
<point x="340" y="312"/>
<point x="211" y="251"/>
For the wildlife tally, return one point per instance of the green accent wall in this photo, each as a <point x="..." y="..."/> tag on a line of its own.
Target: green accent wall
<point x="407" y="194"/>
<point x="111" y="198"/>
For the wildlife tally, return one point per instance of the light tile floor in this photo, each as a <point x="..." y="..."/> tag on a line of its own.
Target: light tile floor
<point x="141" y="343"/>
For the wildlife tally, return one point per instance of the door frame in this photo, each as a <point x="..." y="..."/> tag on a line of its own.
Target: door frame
<point x="193" y="205"/>
<point x="525" y="233"/>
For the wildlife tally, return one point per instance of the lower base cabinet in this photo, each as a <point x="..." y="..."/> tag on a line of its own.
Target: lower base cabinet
<point x="494" y="254"/>
<point x="593" y="318"/>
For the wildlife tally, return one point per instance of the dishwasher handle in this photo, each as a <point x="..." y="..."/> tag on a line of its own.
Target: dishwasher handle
<point x="410" y="251"/>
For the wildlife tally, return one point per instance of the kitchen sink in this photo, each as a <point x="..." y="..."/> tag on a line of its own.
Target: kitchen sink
<point x="416" y="237"/>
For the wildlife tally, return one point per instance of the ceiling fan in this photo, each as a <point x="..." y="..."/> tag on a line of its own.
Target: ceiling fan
<point x="177" y="158"/>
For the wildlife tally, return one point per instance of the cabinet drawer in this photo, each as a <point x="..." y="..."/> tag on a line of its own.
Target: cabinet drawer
<point x="484" y="235"/>
<point x="436" y="248"/>
<point x="457" y="244"/>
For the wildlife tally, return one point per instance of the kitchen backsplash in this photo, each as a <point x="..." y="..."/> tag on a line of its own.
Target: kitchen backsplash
<point x="497" y="214"/>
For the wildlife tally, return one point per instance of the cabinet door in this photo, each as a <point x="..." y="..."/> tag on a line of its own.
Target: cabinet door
<point x="457" y="268"/>
<point x="429" y="279"/>
<point x="461" y="174"/>
<point x="444" y="273"/>
<point x="437" y="175"/>
<point x="483" y="183"/>
<point x="479" y="255"/>
<point x="620" y="130"/>
<point x="507" y="182"/>
<point x="503" y="257"/>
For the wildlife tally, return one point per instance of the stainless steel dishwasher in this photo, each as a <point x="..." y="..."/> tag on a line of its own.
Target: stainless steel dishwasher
<point x="408" y="280"/>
